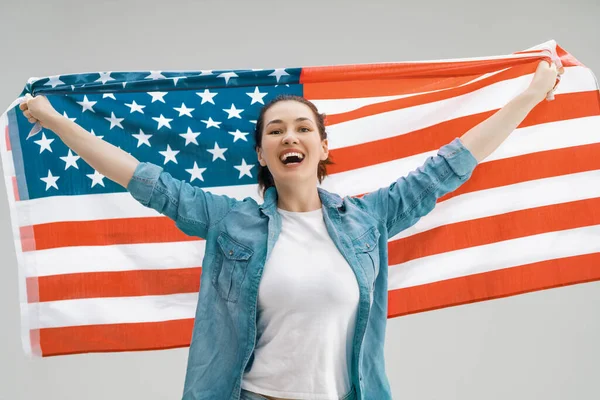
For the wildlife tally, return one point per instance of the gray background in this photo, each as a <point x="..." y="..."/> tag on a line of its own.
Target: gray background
<point x="535" y="346"/>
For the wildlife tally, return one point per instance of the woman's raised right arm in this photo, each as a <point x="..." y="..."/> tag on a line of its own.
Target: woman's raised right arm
<point x="109" y="160"/>
<point x="194" y="210"/>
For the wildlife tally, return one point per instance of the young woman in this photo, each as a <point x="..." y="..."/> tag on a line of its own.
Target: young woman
<point x="293" y="296"/>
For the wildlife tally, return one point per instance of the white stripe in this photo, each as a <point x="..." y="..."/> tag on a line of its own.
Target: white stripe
<point x="104" y="206"/>
<point x="122" y="205"/>
<point x="495" y="256"/>
<point x="144" y="256"/>
<point x="492" y="97"/>
<point x="114" y="310"/>
<point x="8" y="164"/>
<point x="536" y="138"/>
<point x="505" y="199"/>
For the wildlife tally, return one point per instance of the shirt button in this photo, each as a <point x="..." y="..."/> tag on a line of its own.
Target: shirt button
<point x="230" y="252"/>
<point x="368" y="246"/>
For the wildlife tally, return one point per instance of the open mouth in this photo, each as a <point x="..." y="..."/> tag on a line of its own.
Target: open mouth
<point x="292" y="158"/>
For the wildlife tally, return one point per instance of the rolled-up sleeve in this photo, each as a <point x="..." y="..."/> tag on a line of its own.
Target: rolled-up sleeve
<point x="193" y="209"/>
<point x="411" y="197"/>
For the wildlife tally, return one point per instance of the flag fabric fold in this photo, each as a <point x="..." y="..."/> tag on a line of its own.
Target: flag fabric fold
<point x="98" y="272"/>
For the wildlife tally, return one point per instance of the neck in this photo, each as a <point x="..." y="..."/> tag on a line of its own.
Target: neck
<point x="300" y="198"/>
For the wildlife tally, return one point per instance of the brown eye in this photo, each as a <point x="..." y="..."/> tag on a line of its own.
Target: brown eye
<point x="274" y="132"/>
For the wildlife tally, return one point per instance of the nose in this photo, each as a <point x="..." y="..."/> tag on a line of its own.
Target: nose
<point x="289" y="137"/>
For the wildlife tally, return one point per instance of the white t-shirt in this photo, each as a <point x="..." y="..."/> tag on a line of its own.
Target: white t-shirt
<point x="307" y="304"/>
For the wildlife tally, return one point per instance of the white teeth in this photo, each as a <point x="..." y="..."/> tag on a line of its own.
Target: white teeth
<point x="286" y="155"/>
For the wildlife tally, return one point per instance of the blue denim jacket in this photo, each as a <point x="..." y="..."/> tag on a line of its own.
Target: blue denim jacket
<point x="240" y="235"/>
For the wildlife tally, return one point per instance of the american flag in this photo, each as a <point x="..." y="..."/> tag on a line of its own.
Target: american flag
<point x="98" y="272"/>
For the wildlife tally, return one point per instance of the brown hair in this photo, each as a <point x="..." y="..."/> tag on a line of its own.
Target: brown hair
<point x="265" y="179"/>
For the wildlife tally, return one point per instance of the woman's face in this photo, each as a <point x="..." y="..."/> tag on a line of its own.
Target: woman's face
<point x="291" y="144"/>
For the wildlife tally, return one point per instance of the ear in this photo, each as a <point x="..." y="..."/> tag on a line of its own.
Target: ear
<point x="261" y="159"/>
<point x="325" y="148"/>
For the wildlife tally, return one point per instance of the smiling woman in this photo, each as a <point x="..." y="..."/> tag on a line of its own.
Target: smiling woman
<point x="294" y="291"/>
<point x="291" y="131"/>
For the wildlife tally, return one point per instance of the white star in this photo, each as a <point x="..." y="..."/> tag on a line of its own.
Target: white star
<point x="169" y="155"/>
<point x="86" y="104"/>
<point x="257" y="96"/>
<point x="97" y="178"/>
<point x="278" y="73"/>
<point x="158" y="96"/>
<point x="253" y="121"/>
<point x="196" y="172"/>
<point x="124" y="84"/>
<point x="142" y="138"/>
<point x="239" y="135"/>
<point x="233" y="112"/>
<point x="92" y="132"/>
<point x="210" y="123"/>
<point x="207" y="96"/>
<point x="162" y="121"/>
<point x="205" y="72"/>
<point x="50" y="181"/>
<point x="67" y="117"/>
<point x="155" y="75"/>
<point x="71" y="160"/>
<point x="109" y="95"/>
<point x="190" y="137"/>
<point x="244" y="169"/>
<point x="183" y="110"/>
<point x="114" y="121"/>
<point x="227" y="76"/>
<point x="44" y="143"/>
<point x="217" y="152"/>
<point x="54" y="81"/>
<point x="176" y="79"/>
<point x="104" y="77"/>
<point x="135" y="107"/>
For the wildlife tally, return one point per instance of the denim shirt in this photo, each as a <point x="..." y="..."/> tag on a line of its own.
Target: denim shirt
<point x="240" y="235"/>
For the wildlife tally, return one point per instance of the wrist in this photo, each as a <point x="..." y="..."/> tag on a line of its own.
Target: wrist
<point x="534" y="95"/>
<point x="53" y="122"/>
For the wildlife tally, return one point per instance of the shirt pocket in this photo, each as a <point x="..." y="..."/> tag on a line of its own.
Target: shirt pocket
<point x="366" y="248"/>
<point x="231" y="263"/>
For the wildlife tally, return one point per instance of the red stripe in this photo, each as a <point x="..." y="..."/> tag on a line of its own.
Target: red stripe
<point x="482" y="231"/>
<point x="116" y="337"/>
<point x="106" y="232"/>
<point x="27" y="236"/>
<point x="495" y="284"/>
<point x="15" y="188"/>
<point x="7" y="138"/>
<point x="115" y="284"/>
<point x="564" y="107"/>
<point x="375" y="87"/>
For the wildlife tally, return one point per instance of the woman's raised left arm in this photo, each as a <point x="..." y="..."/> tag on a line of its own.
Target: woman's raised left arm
<point x="485" y="137"/>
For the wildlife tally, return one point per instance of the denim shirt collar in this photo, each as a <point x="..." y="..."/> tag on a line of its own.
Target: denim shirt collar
<point x="329" y="200"/>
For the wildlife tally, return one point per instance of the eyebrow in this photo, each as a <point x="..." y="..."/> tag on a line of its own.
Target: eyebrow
<point x="278" y="121"/>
